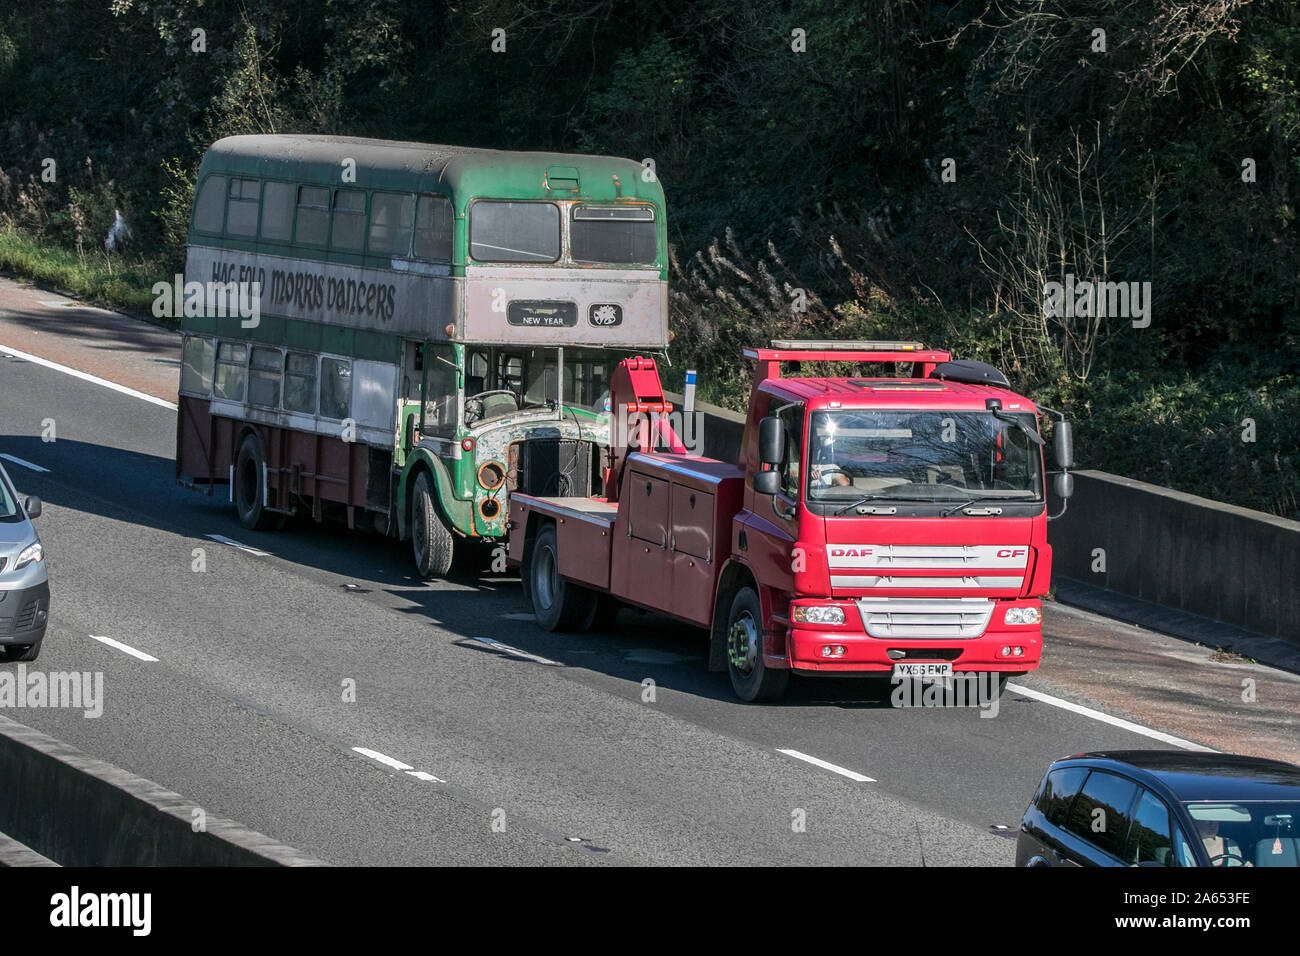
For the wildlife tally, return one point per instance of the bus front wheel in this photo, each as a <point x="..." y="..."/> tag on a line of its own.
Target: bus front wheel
<point x="431" y="541"/>
<point x="250" y="488"/>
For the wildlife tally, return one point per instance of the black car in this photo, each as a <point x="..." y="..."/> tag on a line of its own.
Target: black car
<point x="1163" y="808"/>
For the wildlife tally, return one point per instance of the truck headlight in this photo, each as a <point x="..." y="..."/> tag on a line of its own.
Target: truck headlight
<point x="33" y="552"/>
<point x="818" y="614"/>
<point x="1023" y="615"/>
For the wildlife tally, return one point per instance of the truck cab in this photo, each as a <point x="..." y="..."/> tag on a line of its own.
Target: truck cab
<point x="895" y="525"/>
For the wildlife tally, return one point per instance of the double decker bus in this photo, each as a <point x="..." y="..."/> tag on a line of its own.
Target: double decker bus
<point x="435" y="329"/>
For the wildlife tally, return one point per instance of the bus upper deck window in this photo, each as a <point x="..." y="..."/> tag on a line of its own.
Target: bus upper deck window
<point x="211" y="204"/>
<point x="391" y="216"/>
<point x="277" y="211"/>
<point x="241" y="207"/>
<point x="623" y="235"/>
<point x="514" y="231"/>
<point x="349" y="219"/>
<point x="433" y="228"/>
<point x="313" y="217"/>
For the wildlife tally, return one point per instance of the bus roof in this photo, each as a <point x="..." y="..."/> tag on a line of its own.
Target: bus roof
<point x="461" y="171"/>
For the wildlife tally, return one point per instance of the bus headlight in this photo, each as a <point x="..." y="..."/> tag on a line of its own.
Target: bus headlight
<point x="1023" y="615"/>
<point x="818" y="614"/>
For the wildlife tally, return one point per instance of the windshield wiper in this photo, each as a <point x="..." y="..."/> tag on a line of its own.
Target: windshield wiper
<point x="1034" y="437"/>
<point x="967" y="504"/>
<point x="865" y="498"/>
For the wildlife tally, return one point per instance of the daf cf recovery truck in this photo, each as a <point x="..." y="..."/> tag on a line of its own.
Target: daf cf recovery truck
<point x="872" y="526"/>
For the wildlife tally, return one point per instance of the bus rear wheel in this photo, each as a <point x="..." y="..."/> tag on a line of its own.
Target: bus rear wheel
<point x="431" y="540"/>
<point x="558" y="605"/>
<point x="250" y="488"/>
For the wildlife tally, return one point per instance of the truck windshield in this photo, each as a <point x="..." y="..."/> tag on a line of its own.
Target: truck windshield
<point x="924" y="456"/>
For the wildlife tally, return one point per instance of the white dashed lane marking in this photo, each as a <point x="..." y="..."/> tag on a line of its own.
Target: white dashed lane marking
<point x="124" y="648"/>
<point x="396" y="764"/>
<point x="833" y="768"/>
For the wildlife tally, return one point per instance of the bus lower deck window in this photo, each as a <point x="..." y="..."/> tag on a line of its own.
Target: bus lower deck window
<point x="196" y="365"/>
<point x="335" y="388"/>
<point x="300" y="382"/>
<point x="264" y="378"/>
<point x="231" y="371"/>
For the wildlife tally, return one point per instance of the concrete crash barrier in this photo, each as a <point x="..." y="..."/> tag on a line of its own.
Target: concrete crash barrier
<point x="1231" y="564"/>
<point x="79" y="811"/>
<point x="723" y="429"/>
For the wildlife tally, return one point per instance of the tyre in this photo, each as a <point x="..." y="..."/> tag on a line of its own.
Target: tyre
<point x="752" y="680"/>
<point x="22" y="652"/>
<point x="431" y="542"/>
<point x="557" y="604"/>
<point x="250" y="475"/>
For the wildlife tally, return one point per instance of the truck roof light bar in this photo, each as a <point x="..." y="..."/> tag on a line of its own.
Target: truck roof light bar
<point x="829" y="345"/>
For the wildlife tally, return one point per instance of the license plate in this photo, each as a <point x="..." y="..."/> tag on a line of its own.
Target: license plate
<point x="922" y="670"/>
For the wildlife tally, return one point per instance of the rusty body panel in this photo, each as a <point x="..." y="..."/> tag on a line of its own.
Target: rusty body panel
<point x="311" y="466"/>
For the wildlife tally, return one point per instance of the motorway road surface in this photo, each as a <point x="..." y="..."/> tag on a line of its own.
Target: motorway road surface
<point x="543" y="751"/>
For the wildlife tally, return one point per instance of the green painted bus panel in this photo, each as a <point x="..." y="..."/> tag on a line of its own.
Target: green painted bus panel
<point x="459" y="513"/>
<point x="461" y="173"/>
<point x="302" y="336"/>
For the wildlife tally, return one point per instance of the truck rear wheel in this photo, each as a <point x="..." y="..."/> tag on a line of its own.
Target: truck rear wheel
<point x="250" y="488"/>
<point x="558" y="605"/>
<point x="752" y="680"/>
<point x="431" y="540"/>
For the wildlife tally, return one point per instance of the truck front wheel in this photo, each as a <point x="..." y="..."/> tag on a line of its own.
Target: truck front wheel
<point x="559" y="605"/>
<point x="752" y="680"/>
<point x="431" y="541"/>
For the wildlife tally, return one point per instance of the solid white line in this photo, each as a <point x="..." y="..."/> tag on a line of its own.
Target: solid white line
<point x="1108" y="719"/>
<point x="851" y="774"/>
<point x="516" y="652"/>
<point x="25" y="464"/>
<point x="124" y="648"/>
<point x="235" y="544"/>
<point x="85" y="376"/>
<point x="382" y="758"/>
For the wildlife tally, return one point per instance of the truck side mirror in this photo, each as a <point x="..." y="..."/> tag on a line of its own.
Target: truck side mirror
<point x="771" y="441"/>
<point x="767" y="482"/>
<point x="1063" y="485"/>
<point x="1063" y="444"/>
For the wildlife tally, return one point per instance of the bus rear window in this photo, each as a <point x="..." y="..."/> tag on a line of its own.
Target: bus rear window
<point x="623" y="235"/>
<point x="514" y="231"/>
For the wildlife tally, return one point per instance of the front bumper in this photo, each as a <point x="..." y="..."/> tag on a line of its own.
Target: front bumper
<point x="864" y="653"/>
<point x="24" y="614"/>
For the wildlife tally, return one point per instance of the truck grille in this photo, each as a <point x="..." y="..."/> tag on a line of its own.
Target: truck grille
<point x="925" y="617"/>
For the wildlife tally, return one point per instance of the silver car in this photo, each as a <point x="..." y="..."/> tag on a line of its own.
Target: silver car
<point x="24" y="588"/>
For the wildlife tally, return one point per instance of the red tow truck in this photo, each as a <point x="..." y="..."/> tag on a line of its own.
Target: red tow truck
<point x="890" y="526"/>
